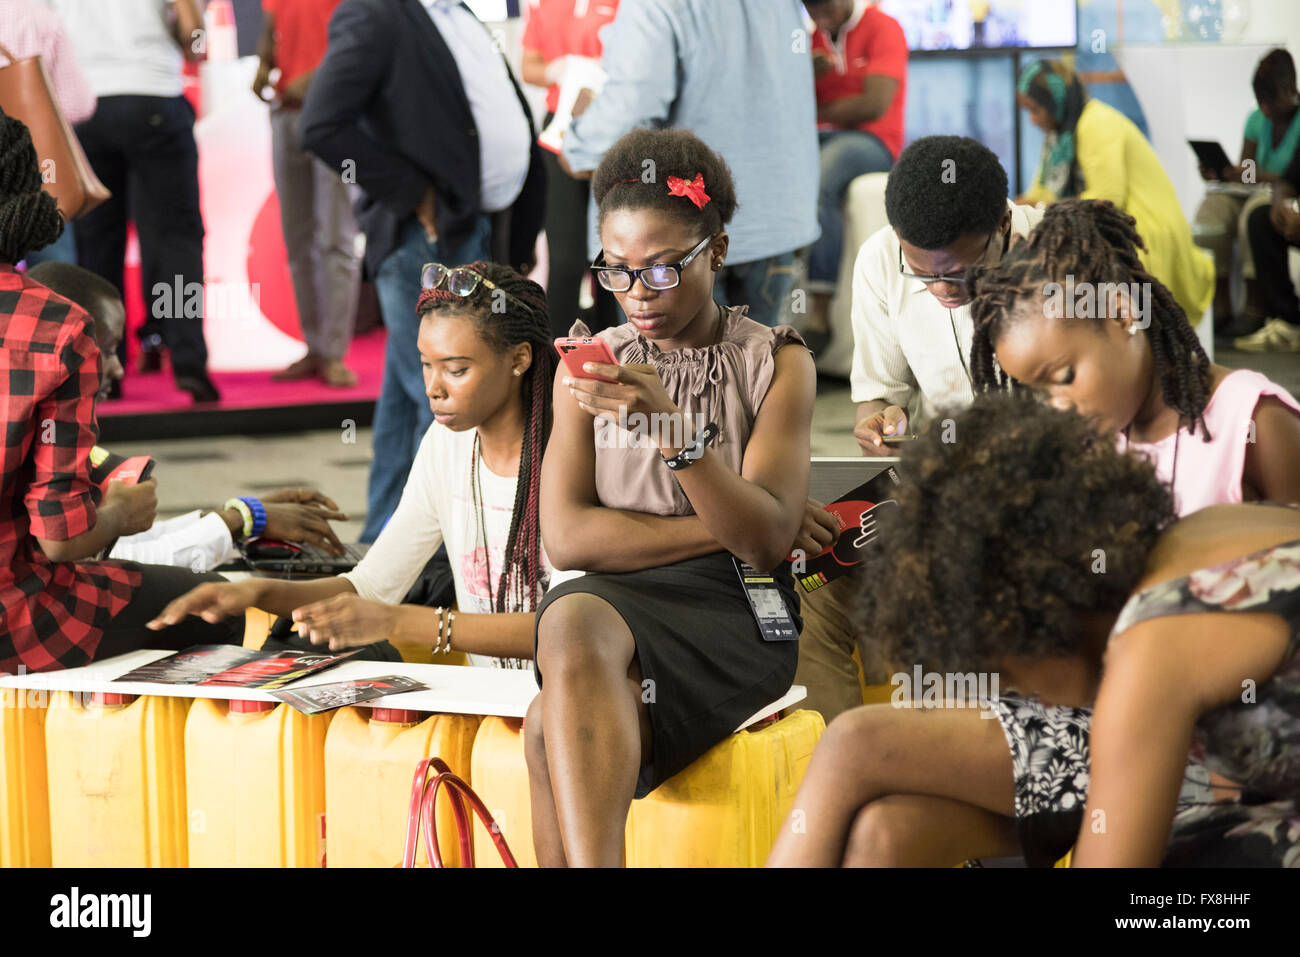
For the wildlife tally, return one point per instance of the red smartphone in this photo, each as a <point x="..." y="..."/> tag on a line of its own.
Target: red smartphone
<point x="576" y="350"/>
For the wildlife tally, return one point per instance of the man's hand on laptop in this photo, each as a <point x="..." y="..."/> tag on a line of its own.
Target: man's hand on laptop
<point x="818" y="531"/>
<point x="303" y="515"/>
<point x="872" y="429"/>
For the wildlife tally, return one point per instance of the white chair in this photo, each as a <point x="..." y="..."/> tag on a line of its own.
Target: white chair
<point x="864" y="213"/>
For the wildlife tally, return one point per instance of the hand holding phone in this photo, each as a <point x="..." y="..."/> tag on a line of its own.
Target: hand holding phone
<point x="575" y="351"/>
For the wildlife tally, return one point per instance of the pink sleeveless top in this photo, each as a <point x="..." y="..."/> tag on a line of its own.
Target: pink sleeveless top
<point x="723" y="383"/>
<point x="1209" y="473"/>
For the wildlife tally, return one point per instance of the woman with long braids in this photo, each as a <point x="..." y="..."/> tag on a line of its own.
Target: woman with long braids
<point x="485" y="347"/>
<point x="59" y="609"/>
<point x="1071" y="315"/>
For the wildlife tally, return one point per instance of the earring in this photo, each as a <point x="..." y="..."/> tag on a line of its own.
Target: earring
<point x="1133" y="329"/>
<point x="519" y="372"/>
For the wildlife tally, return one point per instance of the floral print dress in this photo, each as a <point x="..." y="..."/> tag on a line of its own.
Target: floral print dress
<point x="1255" y="742"/>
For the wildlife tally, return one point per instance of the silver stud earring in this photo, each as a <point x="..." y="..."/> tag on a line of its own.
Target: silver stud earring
<point x="1133" y="330"/>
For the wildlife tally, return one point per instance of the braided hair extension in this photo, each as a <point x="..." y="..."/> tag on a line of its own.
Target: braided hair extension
<point x="29" y="216"/>
<point x="1092" y="240"/>
<point x="524" y="319"/>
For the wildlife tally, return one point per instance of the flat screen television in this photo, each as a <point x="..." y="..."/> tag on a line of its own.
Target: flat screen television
<point x="932" y="25"/>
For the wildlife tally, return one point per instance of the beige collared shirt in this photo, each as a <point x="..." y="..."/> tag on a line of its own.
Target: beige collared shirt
<point x="907" y="349"/>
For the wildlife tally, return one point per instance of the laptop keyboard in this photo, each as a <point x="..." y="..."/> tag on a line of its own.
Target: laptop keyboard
<point x="312" y="553"/>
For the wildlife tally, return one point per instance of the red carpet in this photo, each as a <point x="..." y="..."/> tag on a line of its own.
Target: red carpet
<point x="156" y="392"/>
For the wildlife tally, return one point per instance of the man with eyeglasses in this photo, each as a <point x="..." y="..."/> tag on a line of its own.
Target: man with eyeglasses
<point x="947" y="204"/>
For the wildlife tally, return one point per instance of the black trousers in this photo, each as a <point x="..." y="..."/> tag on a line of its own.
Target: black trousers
<point x="143" y="149"/>
<point x="1272" y="275"/>
<point x="159" y="585"/>
<point x="566" y="241"/>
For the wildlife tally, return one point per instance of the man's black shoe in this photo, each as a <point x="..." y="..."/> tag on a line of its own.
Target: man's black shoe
<point x="199" y="386"/>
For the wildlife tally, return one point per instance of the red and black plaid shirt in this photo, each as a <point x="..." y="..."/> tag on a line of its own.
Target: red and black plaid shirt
<point x="52" y="614"/>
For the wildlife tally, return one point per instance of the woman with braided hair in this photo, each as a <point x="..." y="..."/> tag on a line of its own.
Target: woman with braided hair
<point x="485" y="348"/>
<point x="1071" y="315"/>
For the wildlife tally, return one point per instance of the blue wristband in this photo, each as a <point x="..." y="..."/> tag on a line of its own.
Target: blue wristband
<point x="259" y="514"/>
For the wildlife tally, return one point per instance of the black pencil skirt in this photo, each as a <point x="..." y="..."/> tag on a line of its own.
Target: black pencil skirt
<point x="698" y="642"/>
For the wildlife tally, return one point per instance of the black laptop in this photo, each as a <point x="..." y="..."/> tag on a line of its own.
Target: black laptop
<point x="298" y="559"/>
<point x="1211" y="155"/>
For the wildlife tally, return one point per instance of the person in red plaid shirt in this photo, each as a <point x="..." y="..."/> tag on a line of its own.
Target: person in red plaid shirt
<point x="57" y="611"/>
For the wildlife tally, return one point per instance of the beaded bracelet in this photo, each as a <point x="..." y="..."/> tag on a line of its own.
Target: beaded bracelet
<point x="259" y="514"/>
<point x="451" y="620"/>
<point x="245" y="512"/>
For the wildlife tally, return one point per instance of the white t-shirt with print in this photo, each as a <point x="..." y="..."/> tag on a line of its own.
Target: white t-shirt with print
<point x="437" y="506"/>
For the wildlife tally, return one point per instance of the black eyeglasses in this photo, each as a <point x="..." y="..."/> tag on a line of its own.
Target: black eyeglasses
<point x="957" y="280"/>
<point x="459" y="281"/>
<point x="658" y="277"/>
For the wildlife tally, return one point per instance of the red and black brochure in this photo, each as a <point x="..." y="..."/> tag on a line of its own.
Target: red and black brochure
<point x="857" y="513"/>
<point x="320" y="698"/>
<point x="236" y="667"/>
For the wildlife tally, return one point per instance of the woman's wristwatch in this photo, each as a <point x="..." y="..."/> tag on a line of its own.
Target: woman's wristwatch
<point x="693" y="452"/>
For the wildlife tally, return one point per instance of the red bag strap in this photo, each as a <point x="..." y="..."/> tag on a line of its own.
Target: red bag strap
<point x="464" y="827"/>
<point x="418" y="787"/>
<point x="460" y="792"/>
<point x="422" y="816"/>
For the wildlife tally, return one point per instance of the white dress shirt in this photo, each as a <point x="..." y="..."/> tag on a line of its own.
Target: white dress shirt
<point x="195" y="541"/>
<point x="907" y="349"/>
<point x="504" y="137"/>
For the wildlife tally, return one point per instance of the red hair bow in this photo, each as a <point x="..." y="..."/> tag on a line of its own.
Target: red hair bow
<point x="694" y="190"/>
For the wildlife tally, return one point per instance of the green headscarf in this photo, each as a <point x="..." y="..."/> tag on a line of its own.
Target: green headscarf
<point x="1055" y="87"/>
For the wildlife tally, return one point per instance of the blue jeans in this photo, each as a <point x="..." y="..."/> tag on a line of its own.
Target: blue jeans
<point x="763" y="285"/>
<point x="402" y="415"/>
<point x="845" y="156"/>
<point x="62" y="250"/>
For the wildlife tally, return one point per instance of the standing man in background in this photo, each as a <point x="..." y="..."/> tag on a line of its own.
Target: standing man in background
<point x="415" y="100"/>
<point x="140" y="142"/>
<point x="320" y="233"/>
<point x="860" y="61"/>
<point x="687" y="64"/>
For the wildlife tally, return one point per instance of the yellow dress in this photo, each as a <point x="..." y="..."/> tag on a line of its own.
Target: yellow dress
<point x="1119" y="164"/>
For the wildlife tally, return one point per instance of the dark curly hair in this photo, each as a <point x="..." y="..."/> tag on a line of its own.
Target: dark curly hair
<point x="29" y="216"/>
<point x="1093" y="240"/>
<point x="1274" y="75"/>
<point x="523" y="318"/>
<point x="993" y="548"/>
<point x="942" y="188"/>
<point x="634" y="175"/>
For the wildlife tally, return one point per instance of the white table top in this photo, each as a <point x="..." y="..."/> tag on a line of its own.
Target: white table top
<point x="452" y="689"/>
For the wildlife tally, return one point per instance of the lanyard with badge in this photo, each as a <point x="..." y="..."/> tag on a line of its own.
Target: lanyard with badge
<point x="766" y="603"/>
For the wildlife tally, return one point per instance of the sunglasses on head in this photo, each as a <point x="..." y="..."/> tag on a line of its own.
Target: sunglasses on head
<point x="459" y="281"/>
